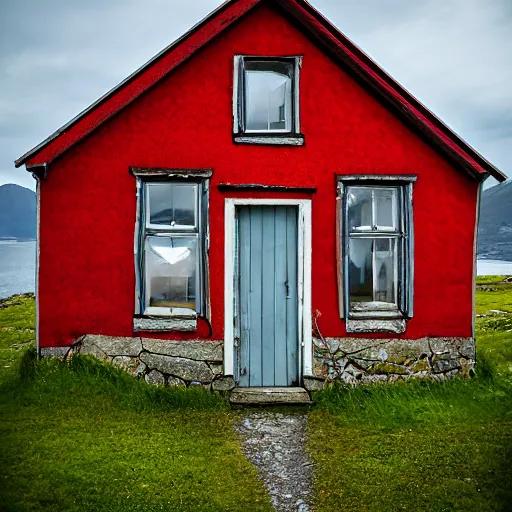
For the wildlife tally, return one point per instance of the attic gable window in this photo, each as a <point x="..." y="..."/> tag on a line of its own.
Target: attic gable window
<point x="375" y="241"/>
<point x="266" y="100"/>
<point x="171" y="249"/>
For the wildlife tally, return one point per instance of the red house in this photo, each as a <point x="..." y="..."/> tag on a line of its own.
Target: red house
<point x="260" y="205"/>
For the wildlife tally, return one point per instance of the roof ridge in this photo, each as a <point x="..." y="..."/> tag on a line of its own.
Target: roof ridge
<point x="328" y="35"/>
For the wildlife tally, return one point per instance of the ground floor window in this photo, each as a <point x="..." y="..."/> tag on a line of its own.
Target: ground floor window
<point x="171" y="245"/>
<point x="375" y="246"/>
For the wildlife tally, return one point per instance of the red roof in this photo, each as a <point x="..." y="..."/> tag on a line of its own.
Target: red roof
<point x="326" y="35"/>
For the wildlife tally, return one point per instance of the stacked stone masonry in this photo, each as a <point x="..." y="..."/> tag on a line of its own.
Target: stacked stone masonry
<point x="161" y="362"/>
<point x="358" y="360"/>
<point x="351" y="361"/>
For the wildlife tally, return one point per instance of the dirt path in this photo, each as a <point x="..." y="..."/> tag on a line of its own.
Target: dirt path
<point x="275" y="443"/>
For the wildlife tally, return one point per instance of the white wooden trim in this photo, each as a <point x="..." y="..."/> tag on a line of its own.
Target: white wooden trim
<point x="307" y="340"/>
<point x="236" y="113"/>
<point x="296" y="96"/>
<point x="138" y="192"/>
<point x="475" y="257"/>
<point x="300" y="289"/>
<point x="304" y="278"/>
<point x="229" y="271"/>
<point x="293" y="140"/>
<point x="38" y="236"/>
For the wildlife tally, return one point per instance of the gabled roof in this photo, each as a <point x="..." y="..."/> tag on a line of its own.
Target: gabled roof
<point x="334" y="43"/>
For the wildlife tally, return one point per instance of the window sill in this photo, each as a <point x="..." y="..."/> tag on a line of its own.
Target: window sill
<point x="270" y="139"/>
<point x="164" y="323"/>
<point x="376" y="315"/>
<point x="361" y="325"/>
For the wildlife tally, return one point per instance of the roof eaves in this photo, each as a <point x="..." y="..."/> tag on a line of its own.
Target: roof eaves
<point x="20" y="161"/>
<point x="368" y="70"/>
<point x="462" y="153"/>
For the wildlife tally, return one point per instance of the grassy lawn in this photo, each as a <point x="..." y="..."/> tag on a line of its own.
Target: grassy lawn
<point x="421" y="446"/>
<point x="84" y="436"/>
<point x="495" y="297"/>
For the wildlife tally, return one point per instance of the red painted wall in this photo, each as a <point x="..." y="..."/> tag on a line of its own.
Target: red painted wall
<point x="88" y="202"/>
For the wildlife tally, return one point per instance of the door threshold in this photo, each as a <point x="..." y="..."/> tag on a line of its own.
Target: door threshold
<point x="270" y="396"/>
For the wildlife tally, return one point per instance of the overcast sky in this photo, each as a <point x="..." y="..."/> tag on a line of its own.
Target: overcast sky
<point x="58" y="56"/>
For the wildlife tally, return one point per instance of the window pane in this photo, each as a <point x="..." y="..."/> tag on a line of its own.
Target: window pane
<point x="373" y="273"/>
<point x="360" y="270"/>
<point x="268" y="95"/>
<point x="386" y="270"/>
<point x="386" y="213"/>
<point x="171" y="276"/>
<point x="359" y="202"/>
<point x="172" y="205"/>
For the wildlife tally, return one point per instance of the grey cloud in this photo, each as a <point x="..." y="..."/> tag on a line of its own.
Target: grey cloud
<point x="57" y="57"/>
<point x="454" y="55"/>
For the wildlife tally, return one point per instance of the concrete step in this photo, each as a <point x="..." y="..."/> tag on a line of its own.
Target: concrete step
<point x="269" y="396"/>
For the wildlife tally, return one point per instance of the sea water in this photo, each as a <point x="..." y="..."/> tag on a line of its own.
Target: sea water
<point x="17" y="267"/>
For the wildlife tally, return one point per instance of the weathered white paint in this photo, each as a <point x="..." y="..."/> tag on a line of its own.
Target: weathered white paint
<point x="408" y="178"/>
<point x="372" y="325"/>
<point x="238" y="109"/>
<point x="236" y="73"/>
<point x="273" y="141"/>
<point x="138" y="191"/>
<point x="304" y="278"/>
<point x="475" y="256"/>
<point x="164" y="324"/>
<point x="38" y="231"/>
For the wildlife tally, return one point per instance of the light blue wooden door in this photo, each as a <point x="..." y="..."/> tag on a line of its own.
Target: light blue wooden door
<point x="266" y="282"/>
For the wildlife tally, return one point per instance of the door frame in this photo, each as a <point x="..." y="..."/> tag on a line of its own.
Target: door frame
<point x="305" y="340"/>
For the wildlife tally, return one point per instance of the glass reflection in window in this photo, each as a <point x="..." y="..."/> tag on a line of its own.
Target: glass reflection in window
<point x="172" y="205"/>
<point x="268" y="96"/>
<point x="171" y="271"/>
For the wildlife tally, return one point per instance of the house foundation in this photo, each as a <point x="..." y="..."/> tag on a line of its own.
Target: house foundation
<point x="350" y="361"/>
<point x="360" y="361"/>
<point x="159" y="362"/>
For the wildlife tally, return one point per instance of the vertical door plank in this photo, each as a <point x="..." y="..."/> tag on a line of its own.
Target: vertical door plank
<point x="268" y="295"/>
<point x="291" y="300"/>
<point x="268" y="300"/>
<point x="244" y="248"/>
<point x="280" y="358"/>
<point x="255" y="310"/>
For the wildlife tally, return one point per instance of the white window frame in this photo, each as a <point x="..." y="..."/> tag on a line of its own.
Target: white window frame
<point x="144" y="229"/>
<point x="290" y="136"/>
<point x="380" y="317"/>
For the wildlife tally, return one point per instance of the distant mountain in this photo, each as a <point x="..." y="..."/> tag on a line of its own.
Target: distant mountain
<point x="17" y="212"/>
<point x="495" y="228"/>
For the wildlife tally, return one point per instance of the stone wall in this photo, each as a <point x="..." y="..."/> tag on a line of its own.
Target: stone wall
<point x="161" y="362"/>
<point x="351" y="361"/>
<point x="358" y="360"/>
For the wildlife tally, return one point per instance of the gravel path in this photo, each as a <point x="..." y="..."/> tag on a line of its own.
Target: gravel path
<point x="274" y="442"/>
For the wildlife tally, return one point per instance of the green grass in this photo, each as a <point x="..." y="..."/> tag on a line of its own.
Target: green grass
<point x="489" y="279"/>
<point x="497" y="297"/>
<point x="17" y="333"/>
<point x="422" y="446"/>
<point x="85" y="436"/>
